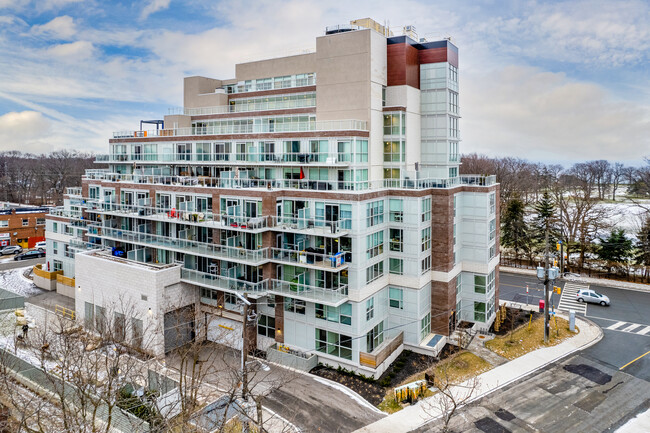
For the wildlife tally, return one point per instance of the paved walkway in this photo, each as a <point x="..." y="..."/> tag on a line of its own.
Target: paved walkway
<point x="413" y="417"/>
<point x="477" y="347"/>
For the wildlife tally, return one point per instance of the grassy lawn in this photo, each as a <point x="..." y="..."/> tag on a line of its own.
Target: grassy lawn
<point x="458" y="368"/>
<point x="524" y="340"/>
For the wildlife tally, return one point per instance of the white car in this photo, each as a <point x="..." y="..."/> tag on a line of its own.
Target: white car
<point x="41" y="245"/>
<point x="592" y="297"/>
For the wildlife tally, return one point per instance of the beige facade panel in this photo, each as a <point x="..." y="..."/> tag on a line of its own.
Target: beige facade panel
<point x="177" y="121"/>
<point x="300" y="64"/>
<point x="199" y="92"/>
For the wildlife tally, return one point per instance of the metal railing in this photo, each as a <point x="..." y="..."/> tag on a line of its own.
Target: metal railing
<point x="312" y="225"/>
<point x="260" y="158"/>
<point x="221" y="282"/>
<point x="306" y="292"/>
<point x="323" y="185"/>
<point x="261" y="104"/>
<point x="204" y="217"/>
<point x="249" y="128"/>
<point x="333" y="261"/>
<point x="255" y="257"/>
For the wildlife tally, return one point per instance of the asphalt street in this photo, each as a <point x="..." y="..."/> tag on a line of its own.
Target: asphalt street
<point x="8" y="262"/>
<point x="596" y="390"/>
<point x="622" y="342"/>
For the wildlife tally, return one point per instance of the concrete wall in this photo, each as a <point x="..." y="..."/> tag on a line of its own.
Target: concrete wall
<point x="199" y="92"/>
<point x="300" y="64"/>
<point x="139" y="291"/>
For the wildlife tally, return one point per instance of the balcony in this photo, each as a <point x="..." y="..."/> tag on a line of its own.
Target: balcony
<point x="309" y="259"/>
<point x="219" y="282"/>
<point x="312" y="226"/>
<point x="231" y="254"/>
<point x="203" y="218"/>
<point x="251" y="128"/>
<point x="251" y="158"/>
<point x="295" y="100"/>
<point x="333" y="297"/>
<point x="321" y="185"/>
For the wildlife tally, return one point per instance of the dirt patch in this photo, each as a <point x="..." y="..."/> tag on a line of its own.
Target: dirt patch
<point x="514" y="319"/>
<point x="368" y="389"/>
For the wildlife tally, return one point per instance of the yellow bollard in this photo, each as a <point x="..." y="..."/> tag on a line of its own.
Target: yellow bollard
<point x="530" y="321"/>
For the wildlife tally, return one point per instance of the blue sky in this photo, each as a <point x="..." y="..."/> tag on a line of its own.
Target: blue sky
<point x="548" y="81"/>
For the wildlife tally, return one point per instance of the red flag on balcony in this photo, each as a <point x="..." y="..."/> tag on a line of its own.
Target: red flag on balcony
<point x="302" y="174"/>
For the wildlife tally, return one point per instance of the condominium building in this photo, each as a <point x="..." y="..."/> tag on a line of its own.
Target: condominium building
<point x="322" y="187"/>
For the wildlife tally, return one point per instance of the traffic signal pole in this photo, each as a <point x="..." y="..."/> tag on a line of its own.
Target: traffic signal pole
<point x="547" y="283"/>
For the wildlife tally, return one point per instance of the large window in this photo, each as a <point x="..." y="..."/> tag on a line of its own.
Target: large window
<point x="374" y="244"/>
<point x="370" y="308"/>
<point x="266" y="326"/>
<point x="396" y="240"/>
<point x="375" y="337"/>
<point x="493" y="229"/>
<point x="374" y="272"/>
<point x="479" y="283"/>
<point x="453" y="102"/>
<point x="425" y="326"/>
<point x="492" y="203"/>
<point x="294" y="305"/>
<point x="479" y="311"/>
<point x="396" y="298"/>
<point x="375" y="213"/>
<point x="396" y="266"/>
<point x="396" y="208"/>
<point x="426" y="209"/>
<point x="361" y="151"/>
<point x="342" y="314"/>
<point x="490" y="282"/>
<point x="425" y="238"/>
<point x="4" y="223"/>
<point x="334" y="344"/>
<point x="394" y="124"/>
<point x="394" y="151"/>
<point x="425" y="264"/>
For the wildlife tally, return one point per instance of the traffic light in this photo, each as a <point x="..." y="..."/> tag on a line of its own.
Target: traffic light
<point x="557" y="245"/>
<point x="557" y="290"/>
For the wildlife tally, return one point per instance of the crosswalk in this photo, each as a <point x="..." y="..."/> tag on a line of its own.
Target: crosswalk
<point x="632" y="328"/>
<point x="568" y="299"/>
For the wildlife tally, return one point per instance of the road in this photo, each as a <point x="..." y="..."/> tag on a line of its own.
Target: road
<point x="8" y="262"/>
<point x="596" y="390"/>
<point x="622" y="342"/>
<point x="308" y="402"/>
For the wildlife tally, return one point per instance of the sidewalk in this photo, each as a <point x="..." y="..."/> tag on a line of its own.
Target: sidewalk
<point x="586" y="280"/>
<point x="426" y="410"/>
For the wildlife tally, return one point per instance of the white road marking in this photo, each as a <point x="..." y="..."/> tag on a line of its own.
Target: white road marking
<point x="630" y="328"/>
<point x="568" y="300"/>
<point x="644" y="331"/>
<point x="616" y="325"/>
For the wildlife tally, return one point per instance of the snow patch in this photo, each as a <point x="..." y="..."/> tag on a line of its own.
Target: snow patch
<point x="14" y="281"/>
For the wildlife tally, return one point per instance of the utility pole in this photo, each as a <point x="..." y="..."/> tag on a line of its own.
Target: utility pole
<point x="547" y="283"/>
<point x="244" y="355"/>
<point x="561" y="259"/>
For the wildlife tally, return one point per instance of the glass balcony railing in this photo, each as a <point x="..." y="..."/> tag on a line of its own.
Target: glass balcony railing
<point x="317" y="159"/>
<point x="323" y="185"/>
<point x="203" y="218"/>
<point x="249" y="128"/>
<point x="221" y="282"/>
<point x="309" y="257"/>
<point x="335" y="296"/>
<point x="314" y="226"/>
<point x="252" y="257"/>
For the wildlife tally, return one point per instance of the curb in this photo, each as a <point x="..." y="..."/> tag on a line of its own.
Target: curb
<point x="521" y="376"/>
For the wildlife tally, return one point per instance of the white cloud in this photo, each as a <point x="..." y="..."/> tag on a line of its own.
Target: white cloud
<point x="62" y="27"/>
<point x="539" y="115"/>
<point x="154" y="6"/>
<point x="75" y="51"/>
<point x="24" y="131"/>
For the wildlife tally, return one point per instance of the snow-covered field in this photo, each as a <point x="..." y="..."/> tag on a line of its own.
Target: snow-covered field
<point x="14" y="281"/>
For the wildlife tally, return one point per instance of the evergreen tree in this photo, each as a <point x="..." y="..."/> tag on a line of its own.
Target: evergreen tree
<point x="616" y="249"/>
<point x="514" y="233"/>
<point x="643" y="246"/>
<point x="546" y="218"/>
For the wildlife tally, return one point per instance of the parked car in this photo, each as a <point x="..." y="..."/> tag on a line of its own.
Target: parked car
<point x="591" y="296"/>
<point x="11" y="249"/>
<point x="30" y="255"/>
<point x="41" y="245"/>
